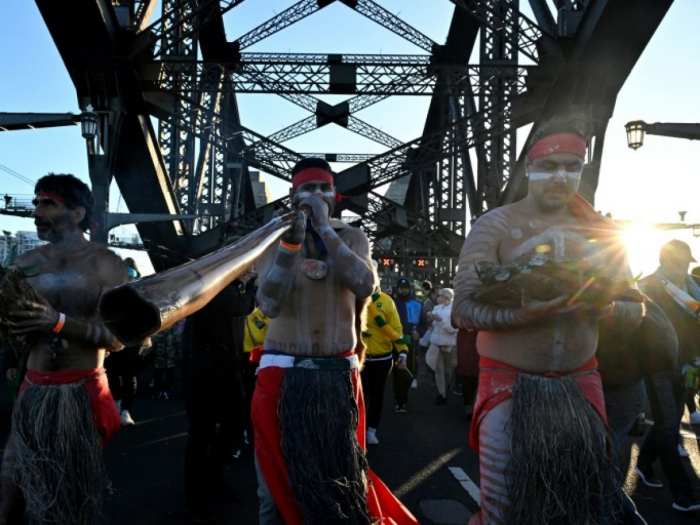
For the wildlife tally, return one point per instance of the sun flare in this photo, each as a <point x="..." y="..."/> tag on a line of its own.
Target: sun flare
<point x="643" y="243"/>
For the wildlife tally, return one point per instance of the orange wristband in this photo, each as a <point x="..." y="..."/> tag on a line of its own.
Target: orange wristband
<point x="59" y="324"/>
<point x="290" y="247"/>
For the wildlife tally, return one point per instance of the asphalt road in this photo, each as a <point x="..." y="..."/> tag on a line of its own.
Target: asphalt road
<point x="414" y="458"/>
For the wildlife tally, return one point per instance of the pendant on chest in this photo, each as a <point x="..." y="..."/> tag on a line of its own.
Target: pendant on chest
<point x="314" y="269"/>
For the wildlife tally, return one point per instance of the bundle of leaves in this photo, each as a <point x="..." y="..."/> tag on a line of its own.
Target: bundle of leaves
<point x="13" y="288"/>
<point x="545" y="280"/>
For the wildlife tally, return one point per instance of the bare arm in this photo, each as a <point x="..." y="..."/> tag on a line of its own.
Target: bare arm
<point x="277" y="270"/>
<point x="352" y="260"/>
<point x="481" y="245"/>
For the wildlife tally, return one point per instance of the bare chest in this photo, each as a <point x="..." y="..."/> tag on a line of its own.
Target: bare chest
<point x="73" y="291"/>
<point x="534" y="241"/>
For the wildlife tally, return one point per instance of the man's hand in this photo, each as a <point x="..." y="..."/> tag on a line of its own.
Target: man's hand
<point x="296" y="234"/>
<point x="319" y="209"/>
<point x="11" y="374"/>
<point x="533" y="311"/>
<point x="249" y="273"/>
<point x="401" y="363"/>
<point x="34" y="317"/>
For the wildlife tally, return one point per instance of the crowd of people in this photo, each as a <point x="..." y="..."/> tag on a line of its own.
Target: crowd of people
<point x="295" y="354"/>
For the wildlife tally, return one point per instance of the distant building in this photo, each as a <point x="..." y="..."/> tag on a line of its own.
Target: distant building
<point x="24" y="241"/>
<point x="6" y="242"/>
<point x="28" y="241"/>
<point x="261" y="193"/>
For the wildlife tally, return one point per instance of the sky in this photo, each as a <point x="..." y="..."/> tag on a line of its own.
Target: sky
<point x="649" y="185"/>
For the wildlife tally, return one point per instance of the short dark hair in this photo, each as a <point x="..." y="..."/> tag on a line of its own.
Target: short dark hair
<point x="427" y="284"/>
<point x="568" y="124"/>
<point x="74" y="191"/>
<point x="312" y="162"/>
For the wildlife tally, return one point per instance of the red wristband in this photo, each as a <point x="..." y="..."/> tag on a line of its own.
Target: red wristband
<point x="59" y="324"/>
<point x="290" y="247"/>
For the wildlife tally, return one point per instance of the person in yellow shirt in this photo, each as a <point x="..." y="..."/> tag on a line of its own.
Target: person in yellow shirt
<point x="255" y="329"/>
<point x="383" y="333"/>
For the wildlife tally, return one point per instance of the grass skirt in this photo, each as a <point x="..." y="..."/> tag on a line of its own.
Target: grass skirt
<point x="60" y="469"/>
<point x="561" y="471"/>
<point x="327" y="468"/>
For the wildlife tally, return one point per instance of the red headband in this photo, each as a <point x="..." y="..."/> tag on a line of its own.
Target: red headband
<point x="54" y="196"/>
<point x="558" y="143"/>
<point x="309" y="174"/>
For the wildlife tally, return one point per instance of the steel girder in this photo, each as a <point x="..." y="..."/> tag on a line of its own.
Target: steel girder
<point x="178" y="143"/>
<point x="378" y="75"/>
<point x="503" y="16"/>
<point x="587" y="82"/>
<point x="16" y="121"/>
<point x="199" y="105"/>
<point x="168" y="32"/>
<point x="497" y="156"/>
<point x="210" y="125"/>
<point x="393" y="23"/>
<point x="290" y="16"/>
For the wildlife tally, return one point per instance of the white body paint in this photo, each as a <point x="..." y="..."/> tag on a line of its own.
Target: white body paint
<point x="307" y="194"/>
<point x="546" y="175"/>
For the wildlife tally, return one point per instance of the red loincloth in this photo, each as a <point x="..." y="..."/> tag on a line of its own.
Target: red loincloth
<point x="496" y="382"/>
<point x="383" y="505"/>
<point x="104" y="411"/>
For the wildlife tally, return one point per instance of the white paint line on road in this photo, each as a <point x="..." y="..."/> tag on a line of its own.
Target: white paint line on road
<point x="688" y="434"/>
<point x="684" y="433"/>
<point x="467" y="483"/>
<point x="425" y="472"/>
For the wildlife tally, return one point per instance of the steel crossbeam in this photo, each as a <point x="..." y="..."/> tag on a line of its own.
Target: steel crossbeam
<point x="289" y="16"/>
<point x="350" y="158"/>
<point x="371" y="77"/>
<point x="313" y="104"/>
<point x="393" y="23"/>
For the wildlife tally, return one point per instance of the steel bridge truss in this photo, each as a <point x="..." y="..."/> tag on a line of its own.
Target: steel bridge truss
<point x="187" y="75"/>
<point x="475" y="110"/>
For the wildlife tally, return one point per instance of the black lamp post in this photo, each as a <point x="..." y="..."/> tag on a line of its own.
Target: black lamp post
<point x="638" y="128"/>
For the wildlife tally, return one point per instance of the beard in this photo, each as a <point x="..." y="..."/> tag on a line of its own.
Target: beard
<point x="554" y="198"/>
<point x="52" y="231"/>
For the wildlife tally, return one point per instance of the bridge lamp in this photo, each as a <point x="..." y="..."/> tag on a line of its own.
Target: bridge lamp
<point x="635" y="133"/>
<point x="89" y="120"/>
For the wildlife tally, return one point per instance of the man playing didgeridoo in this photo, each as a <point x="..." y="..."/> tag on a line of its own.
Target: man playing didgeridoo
<point x="52" y="467"/>
<point x="308" y="409"/>
<point x="539" y="418"/>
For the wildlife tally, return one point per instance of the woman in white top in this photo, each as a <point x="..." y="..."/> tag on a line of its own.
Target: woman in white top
<point x="441" y="356"/>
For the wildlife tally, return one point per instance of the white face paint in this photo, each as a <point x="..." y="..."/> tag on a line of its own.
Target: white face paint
<point x="306" y="194"/>
<point x="546" y="175"/>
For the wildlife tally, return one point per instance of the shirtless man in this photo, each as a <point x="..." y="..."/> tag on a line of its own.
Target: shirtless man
<point x="538" y="421"/>
<point x="53" y="462"/>
<point x="307" y="410"/>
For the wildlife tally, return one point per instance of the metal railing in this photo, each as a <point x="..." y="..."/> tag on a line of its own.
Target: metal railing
<point x="19" y="205"/>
